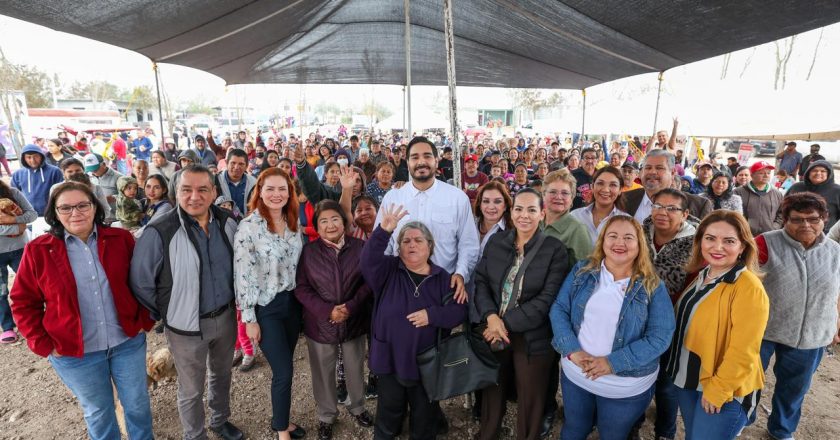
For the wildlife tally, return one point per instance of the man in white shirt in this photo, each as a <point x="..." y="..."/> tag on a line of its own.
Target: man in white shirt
<point x="444" y="209"/>
<point x="658" y="173"/>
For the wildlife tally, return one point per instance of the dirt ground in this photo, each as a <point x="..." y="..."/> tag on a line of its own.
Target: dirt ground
<point x="36" y="405"/>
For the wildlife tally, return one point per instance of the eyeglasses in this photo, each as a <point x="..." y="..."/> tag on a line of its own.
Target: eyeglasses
<point x="670" y="208"/>
<point x="555" y="193"/>
<point x="68" y="209"/>
<point x="801" y="220"/>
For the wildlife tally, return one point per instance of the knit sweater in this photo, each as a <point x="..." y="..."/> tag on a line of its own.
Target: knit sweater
<point x="803" y="286"/>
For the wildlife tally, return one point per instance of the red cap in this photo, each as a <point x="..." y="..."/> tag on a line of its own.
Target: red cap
<point x="470" y="157"/>
<point x="760" y="165"/>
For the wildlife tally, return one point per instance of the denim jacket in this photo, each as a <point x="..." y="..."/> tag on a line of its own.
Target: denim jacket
<point x="645" y="323"/>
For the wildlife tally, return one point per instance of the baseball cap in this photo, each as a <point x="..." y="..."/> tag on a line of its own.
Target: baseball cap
<point x="92" y="162"/>
<point x="630" y="164"/>
<point x="760" y="165"/>
<point x="791" y="143"/>
<point x="470" y="157"/>
<point x="702" y="164"/>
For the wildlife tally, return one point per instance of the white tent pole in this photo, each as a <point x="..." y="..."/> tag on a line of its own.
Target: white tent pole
<point x="160" y="105"/>
<point x="583" y="118"/>
<point x="407" y="102"/>
<point x="658" y="95"/>
<point x="449" y="38"/>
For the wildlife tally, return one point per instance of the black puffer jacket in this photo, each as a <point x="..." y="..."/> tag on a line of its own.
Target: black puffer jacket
<point x="828" y="189"/>
<point x="540" y="284"/>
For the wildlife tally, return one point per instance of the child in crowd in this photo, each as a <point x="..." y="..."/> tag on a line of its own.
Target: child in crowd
<point x="783" y="181"/>
<point x="226" y="203"/>
<point x="129" y="213"/>
<point x="243" y="352"/>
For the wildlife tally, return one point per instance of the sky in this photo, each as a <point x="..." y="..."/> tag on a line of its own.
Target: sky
<point x="695" y="93"/>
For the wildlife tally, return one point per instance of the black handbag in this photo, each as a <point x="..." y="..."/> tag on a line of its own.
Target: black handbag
<point x="458" y="364"/>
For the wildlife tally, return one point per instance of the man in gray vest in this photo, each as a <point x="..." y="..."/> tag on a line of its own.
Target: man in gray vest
<point x="803" y="285"/>
<point x="199" y="317"/>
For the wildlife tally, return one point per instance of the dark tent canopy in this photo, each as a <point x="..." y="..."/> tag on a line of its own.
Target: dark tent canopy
<point x="504" y="43"/>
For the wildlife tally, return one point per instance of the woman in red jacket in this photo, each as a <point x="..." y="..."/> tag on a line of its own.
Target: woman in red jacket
<point x="336" y="314"/>
<point x="72" y="303"/>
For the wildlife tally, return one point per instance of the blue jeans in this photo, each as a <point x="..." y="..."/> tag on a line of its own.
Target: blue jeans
<point x="7" y="259"/>
<point x="794" y="369"/>
<point x="702" y="426"/>
<point x="666" y="406"/>
<point x="614" y="417"/>
<point x="90" y="379"/>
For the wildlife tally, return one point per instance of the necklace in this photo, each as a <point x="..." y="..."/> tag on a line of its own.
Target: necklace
<point x="416" y="285"/>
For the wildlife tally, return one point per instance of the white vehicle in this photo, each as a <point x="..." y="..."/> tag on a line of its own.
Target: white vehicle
<point x="541" y="127"/>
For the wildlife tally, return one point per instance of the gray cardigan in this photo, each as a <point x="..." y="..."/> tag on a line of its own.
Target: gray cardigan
<point x="803" y="287"/>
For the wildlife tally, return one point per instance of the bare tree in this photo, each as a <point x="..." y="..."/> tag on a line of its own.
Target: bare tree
<point x="747" y="63"/>
<point x="814" y="59"/>
<point x="782" y="58"/>
<point x="725" y="68"/>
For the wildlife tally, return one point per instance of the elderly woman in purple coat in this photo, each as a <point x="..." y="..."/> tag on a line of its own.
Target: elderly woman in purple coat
<point x="410" y="306"/>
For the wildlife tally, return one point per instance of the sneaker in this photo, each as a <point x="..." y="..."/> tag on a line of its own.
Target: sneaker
<point x="324" y="431"/>
<point x="365" y="420"/>
<point x="237" y="357"/>
<point x="370" y="388"/>
<point x="341" y="392"/>
<point x="248" y="363"/>
<point x="829" y="351"/>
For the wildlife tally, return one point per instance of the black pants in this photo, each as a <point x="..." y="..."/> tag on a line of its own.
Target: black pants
<point x="551" y="405"/>
<point x="528" y="375"/>
<point x="280" y="322"/>
<point x="391" y="407"/>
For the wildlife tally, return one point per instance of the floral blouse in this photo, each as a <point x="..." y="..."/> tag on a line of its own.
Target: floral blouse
<point x="264" y="263"/>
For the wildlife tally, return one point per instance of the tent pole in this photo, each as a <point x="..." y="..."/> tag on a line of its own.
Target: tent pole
<point x="583" y="118"/>
<point x="407" y="102"/>
<point x="449" y="38"/>
<point x="658" y="95"/>
<point x="160" y="105"/>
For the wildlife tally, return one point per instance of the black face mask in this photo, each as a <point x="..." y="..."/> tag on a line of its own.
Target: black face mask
<point x="260" y="154"/>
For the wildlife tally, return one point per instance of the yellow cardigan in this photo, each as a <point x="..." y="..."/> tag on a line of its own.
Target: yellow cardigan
<point x="726" y="332"/>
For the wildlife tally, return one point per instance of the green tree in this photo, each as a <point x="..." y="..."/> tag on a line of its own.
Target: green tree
<point x="142" y="97"/>
<point x="32" y="81"/>
<point x="96" y="91"/>
<point x="377" y="110"/>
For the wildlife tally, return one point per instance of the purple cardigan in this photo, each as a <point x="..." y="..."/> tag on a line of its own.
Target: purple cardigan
<point x="395" y="342"/>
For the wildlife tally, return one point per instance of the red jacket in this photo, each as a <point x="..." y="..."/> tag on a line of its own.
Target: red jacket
<point x="45" y="302"/>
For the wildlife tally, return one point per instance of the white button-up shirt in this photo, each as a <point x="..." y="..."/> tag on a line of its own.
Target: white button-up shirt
<point x="584" y="215"/>
<point x="645" y="208"/>
<point x="446" y="211"/>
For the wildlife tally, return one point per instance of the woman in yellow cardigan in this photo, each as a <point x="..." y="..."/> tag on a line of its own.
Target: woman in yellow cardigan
<point x="714" y="357"/>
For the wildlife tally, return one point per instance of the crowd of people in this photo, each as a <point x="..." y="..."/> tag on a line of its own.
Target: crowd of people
<point x="617" y="275"/>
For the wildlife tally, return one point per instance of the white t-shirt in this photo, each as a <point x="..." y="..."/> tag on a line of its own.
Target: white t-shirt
<point x="596" y="336"/>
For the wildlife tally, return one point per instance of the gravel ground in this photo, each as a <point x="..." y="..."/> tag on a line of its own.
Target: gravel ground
<point x="36" y="405"/>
